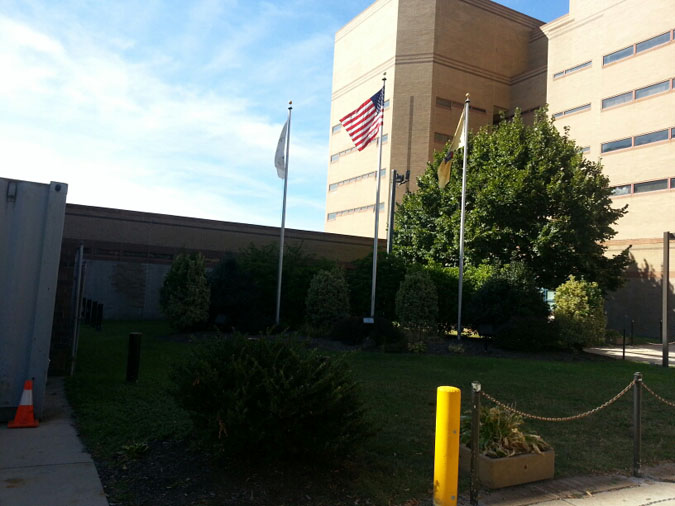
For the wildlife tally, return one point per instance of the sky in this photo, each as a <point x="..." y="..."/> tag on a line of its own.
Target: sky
<point x="174" y="106"/>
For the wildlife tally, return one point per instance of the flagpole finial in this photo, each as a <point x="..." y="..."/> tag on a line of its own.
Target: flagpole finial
<point x="384" y="76"/>
<point x="467" y="96"/>
<point x="290" y="104"/>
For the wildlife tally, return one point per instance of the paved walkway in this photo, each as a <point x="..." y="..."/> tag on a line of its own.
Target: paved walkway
<point x="644" y="353"/>
<point x="47" y="465"/>
<point x="656" y="486"/>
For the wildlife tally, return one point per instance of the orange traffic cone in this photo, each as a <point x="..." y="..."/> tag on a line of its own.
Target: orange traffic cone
<point x="24" y="414"/>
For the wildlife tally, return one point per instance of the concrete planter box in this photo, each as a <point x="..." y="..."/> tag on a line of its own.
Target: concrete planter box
<point x="508" y="471"/>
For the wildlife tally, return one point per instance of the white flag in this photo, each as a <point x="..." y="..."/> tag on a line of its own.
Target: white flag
<point x="279" y="156"/>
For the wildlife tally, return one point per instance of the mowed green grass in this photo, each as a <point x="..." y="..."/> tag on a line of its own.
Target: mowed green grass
<point x="400" y="393"/>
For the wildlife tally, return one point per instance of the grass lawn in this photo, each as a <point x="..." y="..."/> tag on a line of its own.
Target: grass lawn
<point x="400" y="390"/>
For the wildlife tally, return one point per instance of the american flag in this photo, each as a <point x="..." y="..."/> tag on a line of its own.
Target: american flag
<point x="364" y="122"/>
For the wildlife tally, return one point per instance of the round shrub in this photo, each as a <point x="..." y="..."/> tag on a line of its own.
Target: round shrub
<point x="327" y="301"/>
<point x="417" y="301"/>
<point x="512" y="308"/>
<point x="185" y="296"/>
<point x="579" y="313"/>
<point x="270" y="398"/>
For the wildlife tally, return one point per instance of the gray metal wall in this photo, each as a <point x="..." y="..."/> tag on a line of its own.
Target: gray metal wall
<point x="31" y="228"/>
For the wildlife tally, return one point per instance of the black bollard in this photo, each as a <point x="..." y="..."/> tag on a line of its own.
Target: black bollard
<point x="134" y="356"/>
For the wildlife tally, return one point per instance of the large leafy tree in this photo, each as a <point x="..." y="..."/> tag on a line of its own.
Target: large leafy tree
<point x="531" y="197"/>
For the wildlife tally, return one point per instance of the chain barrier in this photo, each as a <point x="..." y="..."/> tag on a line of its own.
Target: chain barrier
<point x="671" y="404"/>
<point x="565" y="418"/>
<point x="660" y="501"/>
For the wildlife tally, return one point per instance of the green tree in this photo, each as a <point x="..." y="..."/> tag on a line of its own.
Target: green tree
<point x="184" y="297"/>
<point x="327" y="300"/>
<point x="531" y="197"/>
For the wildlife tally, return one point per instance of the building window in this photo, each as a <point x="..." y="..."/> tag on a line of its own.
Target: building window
<point x="334" y="186"/>
<point x="586" y="149"/>
<point x="584" y="107"/>
<point x="614" y="145"/>
<point x="672" y="183"/>
<point x="651" y="186"/>
<point x="336" y="128"/>
<point x="652" y="90"/>
<point x="444" y="103"/>
<point x="571" y="70"/>
<point x="386" y="103"/>
<point x="353" y="210"/>
<point x="653" y="42"/>
<point x="617" y="100"/>
<point x="441" y="138"/>
<point x="617" y="55"/>
<point x="334" y="158"/>
<point x="621" y="190"/>
<point x="641" y="140"/>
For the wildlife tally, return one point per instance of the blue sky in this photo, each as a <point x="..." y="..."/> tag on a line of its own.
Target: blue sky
<point x="173" y="106"/>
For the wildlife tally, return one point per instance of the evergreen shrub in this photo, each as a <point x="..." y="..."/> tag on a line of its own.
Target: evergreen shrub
<point x="264" y="398"/>
<point x="579" y="313"/>
<point x="327" y="301"/>
<point x="184" y="296"/>
<point x="417" y="302"/>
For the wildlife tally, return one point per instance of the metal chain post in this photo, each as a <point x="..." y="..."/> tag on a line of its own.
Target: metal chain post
<point x="475" y="433"/>
<point x="637" y="422"/>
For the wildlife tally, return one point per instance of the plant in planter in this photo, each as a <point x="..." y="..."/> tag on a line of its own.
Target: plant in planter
<point x="507" y="455"/>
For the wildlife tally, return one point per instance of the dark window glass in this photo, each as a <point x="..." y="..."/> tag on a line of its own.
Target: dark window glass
<point x="652" y="90"/>
<point x="558" y="115"/>
<point x="334" y="158"/>
<point x="444" y="102"/>
<point x="441" y="138"/>
<point x="333" y="187"/>
<point x="386" y="103"/>
<point x="336" y="128"/>
<point x="332" y="216"/>
<point x="558" y="74"/>
<point x="619" y="99"/>
<point x="578" y="67"/>
<point x="651" y="186"/>
<point x="617" y="55"/>
<point x="672" y="133"/>
<point x="385" y="138"/>
<point x="621" y="190"/>
<point x="654" y="41"/>
<point x="614" y="145"/>
<point x="585" y="149"/>
<point x="672" y="183"/>
<point x="661" y="135"/>
<point x="578" y="109"/>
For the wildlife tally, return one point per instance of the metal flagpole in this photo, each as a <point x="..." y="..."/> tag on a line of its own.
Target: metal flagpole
<point x="377" y="209"/>
<point x="461" y="225"/>
<point x="283" y="213"/>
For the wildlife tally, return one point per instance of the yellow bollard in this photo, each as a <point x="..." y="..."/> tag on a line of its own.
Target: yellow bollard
<point x="446" y="458"/>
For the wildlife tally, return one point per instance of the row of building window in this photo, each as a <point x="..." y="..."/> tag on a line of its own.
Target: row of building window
<point x="362" y="209"/>
<point x="337" y="127"/>
<point x="334" y="186"/>
<point x="647" y="186"/>
<point x="638" y="140"/>
<point x="580" y="108"/>
<point x="446" y="103"/>
<point x="626" y="52"/>
<point x="639" y="47"/>
<point x="336" y="156"/>
<point x="645" y="92"/>
<point x="624" y="98"/>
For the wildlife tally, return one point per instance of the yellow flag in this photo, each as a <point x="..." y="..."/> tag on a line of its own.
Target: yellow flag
<point x="458" y="141"/>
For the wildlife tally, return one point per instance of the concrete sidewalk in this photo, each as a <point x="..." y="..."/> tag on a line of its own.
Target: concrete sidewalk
<point x="656" y="486"/>
<point x="643" y="353"/>
<point x="47" y="465"/>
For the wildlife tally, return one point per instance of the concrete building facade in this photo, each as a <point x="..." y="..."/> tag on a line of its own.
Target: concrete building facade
<point x="611" y="81"/>
<point x="432" y="51"/>
<point x="606" y="70"/>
